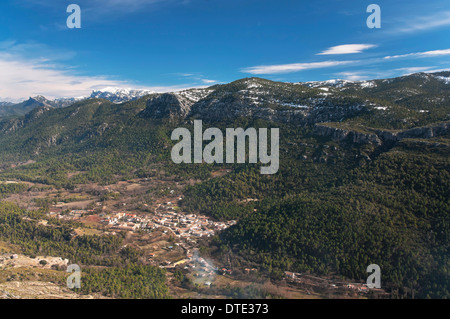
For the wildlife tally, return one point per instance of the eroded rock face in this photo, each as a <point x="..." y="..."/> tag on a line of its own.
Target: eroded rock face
<point x="424" y="132"/>
<point x="349" y="135"/>
<point x="167" y="106"/>
<point x="378" y="137"/>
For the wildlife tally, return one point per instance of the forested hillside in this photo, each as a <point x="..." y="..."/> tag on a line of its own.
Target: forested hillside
<point x="363" y="178"/>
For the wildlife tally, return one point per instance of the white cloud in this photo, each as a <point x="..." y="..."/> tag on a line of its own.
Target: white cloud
<point x="347" y="49"/>
<point x="294" y="67"/>
<point x="206" y="81"/>
<point x="425" y="54"/>
<point x="22" y="77"/>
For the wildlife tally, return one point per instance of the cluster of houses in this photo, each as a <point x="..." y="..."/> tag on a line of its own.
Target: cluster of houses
<point x="180" y="224"/>
<point x="189" y="225"/>
<point x="123" y="221"/>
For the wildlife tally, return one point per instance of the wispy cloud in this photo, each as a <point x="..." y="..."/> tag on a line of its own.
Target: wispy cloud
<point x="347" y="49"/>
<point x="207" y="81"/>
<point x="22" y="76"/>
<point x="36" y="51"/>
<point x="365" y="74"/>
<point x="294" y="67"/>
<point x="437" y="70"/>
<point x="422" y="23"/>
<point x="415" y="69"/>
<point x="370" y="74"/>
<point x="432" y="53"/>
<point x="352" y="76"/>
<point x="197" y="77"/>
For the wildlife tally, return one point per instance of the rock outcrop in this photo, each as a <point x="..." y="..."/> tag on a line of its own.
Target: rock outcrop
<point x="341" y="134"/>
<point x="418" y="132"/>
<point x="378" y="137"/>
<point x="167" y="106"/>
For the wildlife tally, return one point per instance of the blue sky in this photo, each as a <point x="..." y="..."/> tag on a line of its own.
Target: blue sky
<point x="167" y="45"/>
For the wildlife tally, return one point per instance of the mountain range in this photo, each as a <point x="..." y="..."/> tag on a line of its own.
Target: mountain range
<point x="115" y="95"/>
<point x="363" y="179"/>
<point x="398" y="90"/>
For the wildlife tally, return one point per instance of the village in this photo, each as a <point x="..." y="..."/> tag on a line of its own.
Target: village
<point x="181" y="225"/>
<point x="164" y="220"/>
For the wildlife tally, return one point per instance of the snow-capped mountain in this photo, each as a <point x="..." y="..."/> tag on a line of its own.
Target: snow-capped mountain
<point x="339" y="84"/>
<point x="369" y="84"/>
<point x="414" y="92"/>
<point x="115" y="95"/>
<point x="445" y="79"/>
<point x="112" y="94"/>
<point x="119" y="95"/>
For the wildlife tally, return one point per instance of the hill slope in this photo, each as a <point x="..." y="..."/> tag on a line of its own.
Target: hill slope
<point x="364" y="170"/>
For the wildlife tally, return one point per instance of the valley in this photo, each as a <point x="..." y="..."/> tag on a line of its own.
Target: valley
<point x="363" y="179"/>
<point x="164" y="236"/>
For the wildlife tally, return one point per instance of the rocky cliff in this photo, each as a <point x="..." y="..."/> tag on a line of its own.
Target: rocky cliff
<point x="378" y="137"/>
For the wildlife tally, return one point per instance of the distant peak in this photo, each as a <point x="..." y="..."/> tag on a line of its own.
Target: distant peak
<point x="120" y="95"/>
<point x="39" y="98"/>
